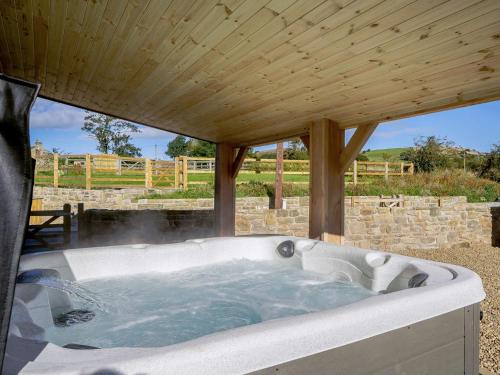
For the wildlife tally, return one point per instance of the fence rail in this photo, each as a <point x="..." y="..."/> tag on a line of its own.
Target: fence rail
<point x="112" y="171"/>
<point x="42" y="229"/>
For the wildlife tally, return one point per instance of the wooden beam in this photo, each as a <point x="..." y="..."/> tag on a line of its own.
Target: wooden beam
<point x="225" y="187"/>
<point x="278" y="182"/>
<point x="355" y="145"/>
<point x="238" y="162"/>
<point x="326" y="201"/>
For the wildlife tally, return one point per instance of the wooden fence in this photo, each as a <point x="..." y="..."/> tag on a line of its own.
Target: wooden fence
<point x="301" y="167"/>
<point x="43" y="228"/>
<point x="112" y="171"/>
<point x="106" y="171"/>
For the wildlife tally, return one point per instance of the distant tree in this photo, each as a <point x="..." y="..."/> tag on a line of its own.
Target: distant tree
<point x="428" y="153"/>
<point x="112" y="135"/>
<point x="199" y="148"/>
<point x="57" y="150"/>
<point x="268" y="154"/>
<point x="386" y="156"/>
<point x="177" y="147"/>
<point x="490" y="166"/>
<point x="251" y="153"/>
<point x="362" y="157"/>
<point x="295" y="150"/>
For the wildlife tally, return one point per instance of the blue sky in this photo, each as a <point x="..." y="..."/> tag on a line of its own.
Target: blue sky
<point x="476" y="127"/>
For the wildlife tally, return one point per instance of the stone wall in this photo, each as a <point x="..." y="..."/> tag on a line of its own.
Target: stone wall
<point x="413" y="222"/>
<point x="114" y="227"/>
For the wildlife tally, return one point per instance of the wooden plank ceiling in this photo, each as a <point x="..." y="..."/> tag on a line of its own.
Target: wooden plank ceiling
<point x="251" y="71"/>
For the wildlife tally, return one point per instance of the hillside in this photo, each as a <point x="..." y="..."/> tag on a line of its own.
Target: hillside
<point x="373" y="155"/>
<point x="385" y="154"/>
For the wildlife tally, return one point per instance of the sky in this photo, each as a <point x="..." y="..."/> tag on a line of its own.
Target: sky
<point x="476" y="127"/>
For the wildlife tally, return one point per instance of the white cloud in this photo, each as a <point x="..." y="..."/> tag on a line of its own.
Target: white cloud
<point x="149" y="132"/>
<point x="47" y="115"/>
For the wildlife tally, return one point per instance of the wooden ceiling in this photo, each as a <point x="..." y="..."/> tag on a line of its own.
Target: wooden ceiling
<point x="252" y="71"/>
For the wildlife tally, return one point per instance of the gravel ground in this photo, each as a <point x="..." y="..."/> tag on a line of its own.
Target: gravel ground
<point x="485" y="261"/>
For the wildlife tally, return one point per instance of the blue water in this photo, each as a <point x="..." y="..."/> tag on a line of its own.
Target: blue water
<point x="152" y="310"/>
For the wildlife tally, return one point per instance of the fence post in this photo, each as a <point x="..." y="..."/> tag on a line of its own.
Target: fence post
<point x="402" y="168"/>
<point x="148" y="174"/>
<point x="386" y="171"/>
<point x="412" y="168"/>
<point x="119" y="166"/>
<point x="67" y="223"/>
<point x="88" y="172"/>
<point x="81" y="223"/>
<point x="355" y="172"/>
<point x="56" y="170"/>
<point x="176" y="172"/>
<point x="184" y="172"/>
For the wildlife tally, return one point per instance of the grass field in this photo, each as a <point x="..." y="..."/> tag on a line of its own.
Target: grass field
<point x="385" y="154"/>
<point x="442" y="183"/>
<point x="46" y="178"/>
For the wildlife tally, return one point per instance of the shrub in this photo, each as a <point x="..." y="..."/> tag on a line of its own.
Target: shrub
<point x="490" y="166"/>
<point x="428" y="154"/>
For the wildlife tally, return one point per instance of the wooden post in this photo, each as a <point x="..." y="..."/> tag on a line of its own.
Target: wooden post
<point x="81" y="223"/>
<point x="225" y="186"/>
<point x="148" y="174"/>
<point x="67" y="224"/>
<point x="88" y="172"/>
<point x="56" y="170"/>
<point x="329" y="160"/>
<point x="386" y="171"/>
<point x="119" y="166"/>
<point x="326" y="201"/>
<point x="176" y="172"/>
<point x="184" y="172"/>
<point x="402" y="168"/>
<point x="278" y="182"/>
<point x="355" y="172"/>
<point x="412" y="168"/>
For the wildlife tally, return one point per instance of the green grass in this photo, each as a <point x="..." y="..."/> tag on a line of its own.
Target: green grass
<point x="391" y="153"/>
<point x="247" y="177"/>
<point x="442" y="183"/>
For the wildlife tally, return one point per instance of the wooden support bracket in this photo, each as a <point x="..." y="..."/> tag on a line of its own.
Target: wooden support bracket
<point x="355" y="145"/>
<point x="305" y="140"/>
<point x="238" y="161"/>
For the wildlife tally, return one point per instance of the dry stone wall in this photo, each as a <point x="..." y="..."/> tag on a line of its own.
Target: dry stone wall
<point x="413" y="222"/>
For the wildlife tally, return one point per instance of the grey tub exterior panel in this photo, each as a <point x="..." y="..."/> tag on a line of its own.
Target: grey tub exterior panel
<point x="445" y="345"/>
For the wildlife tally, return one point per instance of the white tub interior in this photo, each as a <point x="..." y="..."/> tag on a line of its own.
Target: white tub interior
<point x="445" y="289"/>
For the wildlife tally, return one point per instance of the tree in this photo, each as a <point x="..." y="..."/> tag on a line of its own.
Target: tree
<point x="112" y="135"/>
<point x="251" y="153"/>
<point x="177" y="147"/>
<point x="362" y="157"/>
<point x="386" y="156"/>
<point x="490" y="166"/>
<point x="428" y="154"/>
<point x="199" y="148"/>
<point x="295" y="150"/>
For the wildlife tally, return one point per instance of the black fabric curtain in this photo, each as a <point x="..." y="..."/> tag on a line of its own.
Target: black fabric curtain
<point x="16" y="187"/>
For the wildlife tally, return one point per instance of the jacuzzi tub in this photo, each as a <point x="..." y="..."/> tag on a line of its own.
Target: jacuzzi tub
<point x="429" y="329"/>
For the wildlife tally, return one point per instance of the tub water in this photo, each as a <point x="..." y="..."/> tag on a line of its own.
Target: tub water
<point x="154" y="310"/>
<point x="230" y="306"/>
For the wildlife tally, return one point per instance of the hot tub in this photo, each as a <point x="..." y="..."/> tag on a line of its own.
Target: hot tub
<point x="410" y="316"/>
